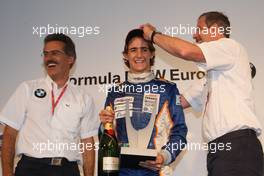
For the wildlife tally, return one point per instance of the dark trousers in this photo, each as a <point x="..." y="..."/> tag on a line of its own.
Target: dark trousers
<point x="28" y="166"/>
<point x="242" y="155"/>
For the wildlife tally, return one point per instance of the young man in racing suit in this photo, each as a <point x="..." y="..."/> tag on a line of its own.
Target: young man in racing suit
<point x="148" y="99"/>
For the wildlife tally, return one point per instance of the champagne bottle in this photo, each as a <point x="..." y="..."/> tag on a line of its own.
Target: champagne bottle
<point x="108" y="154"/>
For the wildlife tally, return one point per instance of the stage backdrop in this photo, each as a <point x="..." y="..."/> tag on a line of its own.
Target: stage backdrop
<point x="98" y="29"/>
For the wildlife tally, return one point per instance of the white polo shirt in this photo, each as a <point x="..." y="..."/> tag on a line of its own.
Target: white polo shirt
<point x="42" y="134"/>
<point x="229" y="105"/>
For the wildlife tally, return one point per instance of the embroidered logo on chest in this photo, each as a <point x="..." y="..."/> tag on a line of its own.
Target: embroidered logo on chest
<point x="40" y="93"/>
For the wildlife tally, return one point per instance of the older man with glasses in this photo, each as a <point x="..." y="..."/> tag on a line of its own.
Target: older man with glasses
<point x="49" y="118"/>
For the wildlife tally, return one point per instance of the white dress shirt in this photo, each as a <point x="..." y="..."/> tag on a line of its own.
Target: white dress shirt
<point x="43" y="134"/>
<point x="229" y="105"/>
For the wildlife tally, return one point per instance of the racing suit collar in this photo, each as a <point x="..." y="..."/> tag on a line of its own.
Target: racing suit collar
<point x="141" y="77"/>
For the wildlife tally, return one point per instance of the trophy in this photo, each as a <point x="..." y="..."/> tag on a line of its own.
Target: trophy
<point x="136" y="153"/>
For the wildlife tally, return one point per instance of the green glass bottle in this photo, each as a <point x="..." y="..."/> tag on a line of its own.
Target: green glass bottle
<point x="108" y="154"/>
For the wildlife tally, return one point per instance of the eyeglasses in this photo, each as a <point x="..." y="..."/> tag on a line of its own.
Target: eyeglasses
<point x="54" y="53"/>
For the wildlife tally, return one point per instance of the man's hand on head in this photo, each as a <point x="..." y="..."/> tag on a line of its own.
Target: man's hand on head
<point x="147" y="29"/>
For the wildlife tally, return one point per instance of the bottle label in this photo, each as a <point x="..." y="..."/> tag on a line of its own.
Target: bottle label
<point x="110" y="163"/>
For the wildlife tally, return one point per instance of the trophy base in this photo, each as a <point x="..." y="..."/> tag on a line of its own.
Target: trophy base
<point x="131" y="157"/>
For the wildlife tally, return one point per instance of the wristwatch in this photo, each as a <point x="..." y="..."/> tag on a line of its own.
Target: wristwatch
<point x="153" y="34"/>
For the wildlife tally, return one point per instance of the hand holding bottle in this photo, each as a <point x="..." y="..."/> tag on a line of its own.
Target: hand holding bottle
<point x="108" y="154"/>
<point x="107" y="115"/>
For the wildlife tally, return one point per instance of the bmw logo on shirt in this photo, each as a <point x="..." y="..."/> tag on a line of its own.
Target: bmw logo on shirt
<point x="40" y="93"/>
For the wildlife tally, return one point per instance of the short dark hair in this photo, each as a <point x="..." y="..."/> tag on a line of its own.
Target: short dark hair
<point x="218" y="18"/>
<point x="137" y="33"/>
<point x="69" y="47"/>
